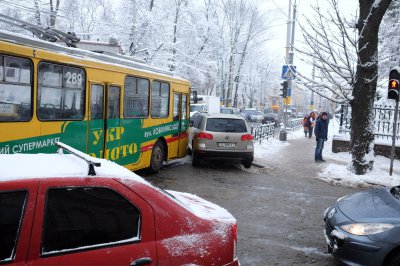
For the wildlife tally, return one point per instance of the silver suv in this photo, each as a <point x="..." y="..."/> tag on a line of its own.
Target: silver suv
<point x="220" y="137"/>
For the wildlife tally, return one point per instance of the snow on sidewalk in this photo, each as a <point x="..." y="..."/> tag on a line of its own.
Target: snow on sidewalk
<point x="335" y="170"/>
<point x="338" y="172"/>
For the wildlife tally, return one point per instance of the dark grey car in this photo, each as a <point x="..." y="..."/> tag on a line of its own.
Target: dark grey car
<point x="364" y="228"/>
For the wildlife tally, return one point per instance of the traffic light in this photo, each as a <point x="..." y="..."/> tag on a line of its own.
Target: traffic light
<point x="393" y="90"/>
<point x="195" y="99"/>
<point x="284" y="90"/>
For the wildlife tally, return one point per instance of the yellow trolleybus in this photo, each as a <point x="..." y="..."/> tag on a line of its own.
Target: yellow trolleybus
<point x="110" y="107"/>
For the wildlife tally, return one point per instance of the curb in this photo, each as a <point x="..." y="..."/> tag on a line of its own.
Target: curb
<point x="258" y="165"/>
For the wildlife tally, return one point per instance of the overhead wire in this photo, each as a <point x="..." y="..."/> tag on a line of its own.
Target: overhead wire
<point x="62" y="14"/>
<point x="280" y="9"/>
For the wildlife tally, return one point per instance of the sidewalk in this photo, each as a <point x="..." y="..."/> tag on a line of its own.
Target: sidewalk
<point x="292" y="158"/>
<point x="295" y="158"/>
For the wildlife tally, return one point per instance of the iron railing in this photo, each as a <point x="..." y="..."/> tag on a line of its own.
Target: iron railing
<point x="263" y="131"/>
<point x="294" y="123"/>
<point x="383" y="121"/>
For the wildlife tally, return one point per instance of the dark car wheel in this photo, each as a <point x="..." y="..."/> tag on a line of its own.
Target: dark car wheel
<point x="157" y="157"/>
<point x="247" y="163"/>
<point x="393" y="260"/>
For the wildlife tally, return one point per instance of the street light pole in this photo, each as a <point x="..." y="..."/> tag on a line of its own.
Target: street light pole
<point x="289" y="61"/>
<point x="288" y="46"/>
<point x="393" y="148"/>
<point x="291" y="52"/>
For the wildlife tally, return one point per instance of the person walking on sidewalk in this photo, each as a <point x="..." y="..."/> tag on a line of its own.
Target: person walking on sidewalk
<point x="321" y="135"/>
<point x="306" y="125"/>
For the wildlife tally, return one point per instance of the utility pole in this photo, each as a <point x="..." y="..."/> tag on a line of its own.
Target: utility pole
<point x="393" y="93"/>
<point x="290" y="56"/>
<point x="289" y="61"/>
<point x="288" y="46"/>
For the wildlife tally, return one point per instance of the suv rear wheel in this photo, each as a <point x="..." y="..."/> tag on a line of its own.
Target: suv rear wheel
<point x="195" y="159"/>
<point x="247" y="163"/>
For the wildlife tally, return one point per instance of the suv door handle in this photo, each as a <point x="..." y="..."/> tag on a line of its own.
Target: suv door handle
<point x="141" y="261"/>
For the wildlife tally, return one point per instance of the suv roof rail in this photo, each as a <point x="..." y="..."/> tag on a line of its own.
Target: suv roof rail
<point x="88" y="159"/>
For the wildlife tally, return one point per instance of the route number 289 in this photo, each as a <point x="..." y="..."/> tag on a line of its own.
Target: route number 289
<point x="74" y="78"/>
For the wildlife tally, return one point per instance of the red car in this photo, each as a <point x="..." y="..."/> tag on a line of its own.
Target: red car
<point x="72" y="209"/>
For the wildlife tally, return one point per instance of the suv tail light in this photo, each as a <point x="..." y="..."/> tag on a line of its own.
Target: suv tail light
<point x="204" y="135"/>
<point x="246" y="137"/>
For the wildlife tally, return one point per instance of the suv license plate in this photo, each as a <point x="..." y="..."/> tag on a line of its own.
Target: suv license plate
<point x="226" y="144"/>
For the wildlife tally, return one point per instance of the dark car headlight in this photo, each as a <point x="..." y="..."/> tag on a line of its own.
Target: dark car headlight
<point x="363" y="229"/>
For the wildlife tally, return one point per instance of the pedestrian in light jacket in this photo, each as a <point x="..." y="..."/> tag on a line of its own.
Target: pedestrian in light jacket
<point x="321" y="135"/>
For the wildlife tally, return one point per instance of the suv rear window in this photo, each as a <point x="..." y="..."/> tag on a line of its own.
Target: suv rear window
<point x="226" y="125"/>
<point x="11" y="209"/>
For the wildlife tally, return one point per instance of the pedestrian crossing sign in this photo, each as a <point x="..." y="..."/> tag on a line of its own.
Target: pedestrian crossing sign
<point x="288" y="72"/>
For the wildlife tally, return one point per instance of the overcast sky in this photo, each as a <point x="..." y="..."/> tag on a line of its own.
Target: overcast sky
<point x="278" y="9"/>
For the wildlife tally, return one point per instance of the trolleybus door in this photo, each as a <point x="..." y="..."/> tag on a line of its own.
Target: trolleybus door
<point x="96" y="121"/>
<point x="104" y="125"/>
<point x="184" y="126"/>
<point x="179" y="146"/>
<point x="112" y="124"/>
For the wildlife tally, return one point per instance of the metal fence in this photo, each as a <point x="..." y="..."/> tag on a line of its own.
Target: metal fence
<point x="294" y="123"/>
<point x="383" y="122"/>
<point x="263" y="131"/>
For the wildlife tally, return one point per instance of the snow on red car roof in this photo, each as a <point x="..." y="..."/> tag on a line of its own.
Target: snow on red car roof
<point x="19" y="166"/>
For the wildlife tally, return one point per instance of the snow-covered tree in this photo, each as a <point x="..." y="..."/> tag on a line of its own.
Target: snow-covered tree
<point x="332" y="49"/>
<point x="209" y="42"/>
<point x="389" y="40"/>
<point x="49" y="14"/>
<point x="348" y="63"/>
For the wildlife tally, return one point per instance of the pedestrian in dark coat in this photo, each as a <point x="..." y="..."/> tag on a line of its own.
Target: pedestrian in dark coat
<point x="321" y="135"/>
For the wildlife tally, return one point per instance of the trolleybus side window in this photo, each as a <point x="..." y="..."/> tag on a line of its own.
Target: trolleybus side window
<point x="159" y="99"/>
<point x="113" y="102"/>
<point x="184" y="106"/>
<point x="61" y="92"/>
<point x="136" y="97"/>
<point x="15" y="89"/>
<point x="97" y="102"/>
